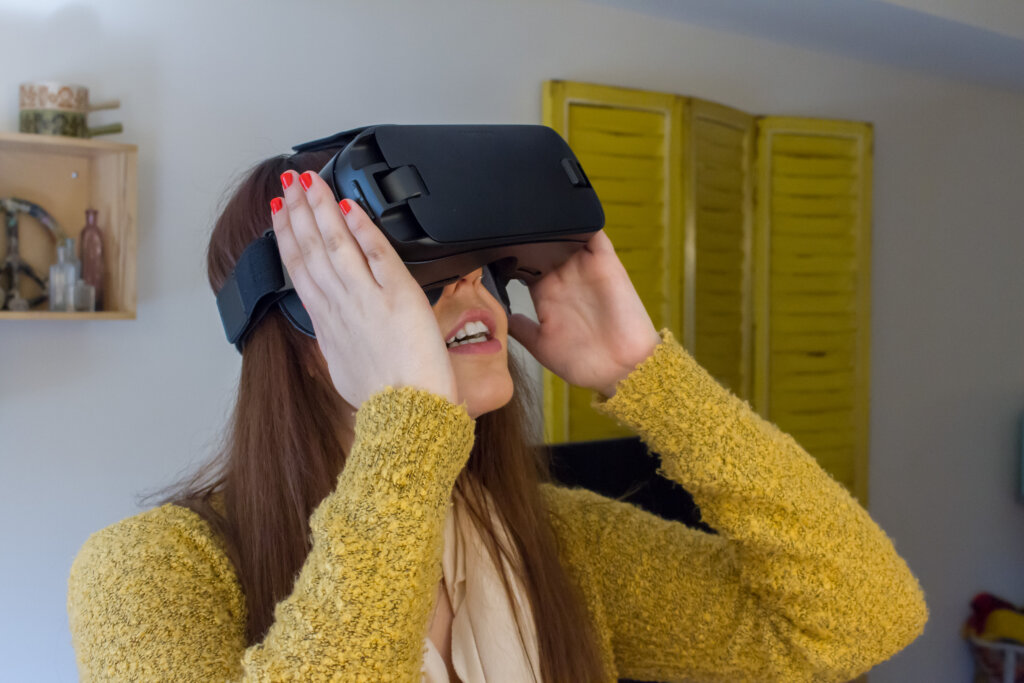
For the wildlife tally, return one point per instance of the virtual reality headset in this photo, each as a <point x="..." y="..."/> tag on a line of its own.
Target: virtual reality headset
<point x="512" y="199"/>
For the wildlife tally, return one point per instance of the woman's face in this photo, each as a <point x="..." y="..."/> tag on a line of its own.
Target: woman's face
<point x="481" y="368"/>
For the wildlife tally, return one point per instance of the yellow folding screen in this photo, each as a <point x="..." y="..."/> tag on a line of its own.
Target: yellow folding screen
<point x="718" y="205"/>
<point x="674" y="177"/>
<point x="769" y="290"/>
<point x="813" y="278"/>
<point x="629" y="145"/>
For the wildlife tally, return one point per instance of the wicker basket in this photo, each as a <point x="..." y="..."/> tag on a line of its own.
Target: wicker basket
<point x="997" y="662"/>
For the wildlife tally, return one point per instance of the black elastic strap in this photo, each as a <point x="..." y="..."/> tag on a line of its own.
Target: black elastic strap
<point x="255" y="286"/>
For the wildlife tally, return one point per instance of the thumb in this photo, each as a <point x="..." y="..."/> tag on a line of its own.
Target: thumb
<point x="524" y="330"/>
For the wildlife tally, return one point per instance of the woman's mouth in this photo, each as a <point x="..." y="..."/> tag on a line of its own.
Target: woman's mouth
<point x="473" y="333"/>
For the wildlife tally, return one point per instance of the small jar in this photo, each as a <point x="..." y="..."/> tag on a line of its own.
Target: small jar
<point x="84" y="297"/>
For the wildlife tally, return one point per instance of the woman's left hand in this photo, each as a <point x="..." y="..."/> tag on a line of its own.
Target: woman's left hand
<point x="593" y="329"/>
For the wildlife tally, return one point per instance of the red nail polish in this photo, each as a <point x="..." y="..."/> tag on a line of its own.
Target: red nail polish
<point x="345" y="205"/>
<point x="306" y="179"/>
<point x="286" y="179"/>
<point x="275" y="205"/>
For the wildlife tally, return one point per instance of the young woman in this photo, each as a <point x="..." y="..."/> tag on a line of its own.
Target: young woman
<point x="379" y="510"/>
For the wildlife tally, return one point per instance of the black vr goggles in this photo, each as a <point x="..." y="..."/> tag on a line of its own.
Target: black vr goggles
<point x="512" y="199"/>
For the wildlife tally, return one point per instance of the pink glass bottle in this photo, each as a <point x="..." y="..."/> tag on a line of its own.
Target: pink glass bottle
<point x="91" y="254"/>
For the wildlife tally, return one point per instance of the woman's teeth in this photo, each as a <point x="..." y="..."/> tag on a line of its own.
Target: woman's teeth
<point x="475" y="339"/>
<point x="471" y="333"/>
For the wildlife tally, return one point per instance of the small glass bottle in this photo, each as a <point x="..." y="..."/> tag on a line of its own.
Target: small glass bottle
<point x="91" y="253"/>
<point x="63" y="273"/>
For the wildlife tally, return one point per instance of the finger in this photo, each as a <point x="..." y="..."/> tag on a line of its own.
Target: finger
<point x="342" y="248"/>
<point x="291" y="255"/>
<point x="385" y="263"/>
<point x="307" y="236"/>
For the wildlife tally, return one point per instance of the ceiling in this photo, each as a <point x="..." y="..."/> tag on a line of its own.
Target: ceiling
<point x="1000" y="16"/>
<point x="980" y="41"/>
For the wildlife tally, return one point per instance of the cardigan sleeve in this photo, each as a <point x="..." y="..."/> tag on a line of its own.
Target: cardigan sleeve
<point x="799" y="584"/>
<point x="151" y="598"/>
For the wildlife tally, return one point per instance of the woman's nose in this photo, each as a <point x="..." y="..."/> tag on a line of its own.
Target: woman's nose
<point x="470" y="278"/>
<point x="467" y="279"/>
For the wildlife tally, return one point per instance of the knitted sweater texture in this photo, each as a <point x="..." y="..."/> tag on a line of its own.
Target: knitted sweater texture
<point x="799" y="584"/>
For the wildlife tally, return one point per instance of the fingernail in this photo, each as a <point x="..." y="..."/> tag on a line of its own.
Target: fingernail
<point x="275" y="205"/>
<point x="345" y="205"/>
<point x="286" y="179"/>
<point x="306" y="179"/>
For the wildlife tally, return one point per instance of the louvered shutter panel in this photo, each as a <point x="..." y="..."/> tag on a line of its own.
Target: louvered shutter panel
<point x="718" y="309"/>
<point x="813" y="288"/>
<point x="628" y="144"/>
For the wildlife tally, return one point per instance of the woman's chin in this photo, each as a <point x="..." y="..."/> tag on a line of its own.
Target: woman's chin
<point x="483" y="398"/>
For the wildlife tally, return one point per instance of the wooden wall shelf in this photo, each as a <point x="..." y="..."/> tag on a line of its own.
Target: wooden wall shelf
<point x="66" y="176"/>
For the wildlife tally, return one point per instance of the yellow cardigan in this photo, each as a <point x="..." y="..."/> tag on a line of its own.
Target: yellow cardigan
<point x="799" y="585"/>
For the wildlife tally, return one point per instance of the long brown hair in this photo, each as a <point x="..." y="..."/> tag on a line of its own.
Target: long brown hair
<point x="282" y="454"/>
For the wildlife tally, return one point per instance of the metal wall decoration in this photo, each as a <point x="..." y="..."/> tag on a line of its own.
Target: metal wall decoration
<point x="13" y="265"/>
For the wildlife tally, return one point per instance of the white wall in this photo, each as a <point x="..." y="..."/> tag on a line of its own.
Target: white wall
<point x="93" y="413"/>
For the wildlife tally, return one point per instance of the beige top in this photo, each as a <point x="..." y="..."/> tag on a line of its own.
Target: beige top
<point x="485" y="645"/>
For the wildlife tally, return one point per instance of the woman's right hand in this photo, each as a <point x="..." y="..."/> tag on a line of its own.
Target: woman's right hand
<point x="372" y="321"/>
